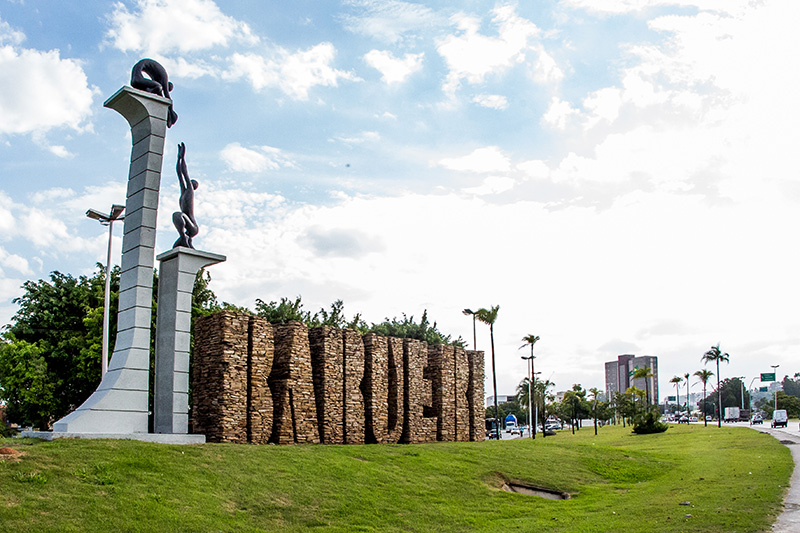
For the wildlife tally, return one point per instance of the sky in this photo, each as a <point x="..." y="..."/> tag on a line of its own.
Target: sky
<point x="619" y="176"/>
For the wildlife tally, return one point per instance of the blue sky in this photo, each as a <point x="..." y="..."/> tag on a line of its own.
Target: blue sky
<point x="620" y="176"/>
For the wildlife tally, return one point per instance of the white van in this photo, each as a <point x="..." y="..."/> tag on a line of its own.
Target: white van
<point x="779" y="418"/>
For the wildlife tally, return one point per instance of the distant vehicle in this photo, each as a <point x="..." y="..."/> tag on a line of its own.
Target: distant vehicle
<point x="731" y="414"/>
<point x="511" y="423"/>
<point x="708" y="418"/>
<point x="692" y="419"/>
<point x="683" y="420"/>
<point x="780" y="418"/>
<point x="757" y="419"/>
<point x="552" y="425"/>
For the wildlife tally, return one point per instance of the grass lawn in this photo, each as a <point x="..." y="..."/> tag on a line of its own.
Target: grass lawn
<point x="734" y="479"/>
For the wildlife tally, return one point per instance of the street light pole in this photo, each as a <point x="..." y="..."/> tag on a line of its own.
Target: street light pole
<point x="530" y="428"/>
<point x="776" y="390"/>
<point x="107" y="220"/>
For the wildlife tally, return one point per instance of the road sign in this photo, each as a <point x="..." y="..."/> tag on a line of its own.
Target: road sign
<point x="768" y="377"/>
<point x="763" y="389"/>
<point x="672" y="399"/>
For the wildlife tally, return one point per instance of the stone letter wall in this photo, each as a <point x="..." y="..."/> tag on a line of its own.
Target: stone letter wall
<point x="254" y="382"/>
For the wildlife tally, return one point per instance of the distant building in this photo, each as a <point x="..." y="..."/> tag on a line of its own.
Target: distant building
<point x="500" y="399"/>
<point x="619" y="375"/>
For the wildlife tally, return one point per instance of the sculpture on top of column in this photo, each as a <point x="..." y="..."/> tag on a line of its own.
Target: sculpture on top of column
<point x="158" y="83"/>
<point x="184" y="219"/>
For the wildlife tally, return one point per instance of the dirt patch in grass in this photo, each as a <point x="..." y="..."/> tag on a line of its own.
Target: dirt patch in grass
<point x="10" y="453"/>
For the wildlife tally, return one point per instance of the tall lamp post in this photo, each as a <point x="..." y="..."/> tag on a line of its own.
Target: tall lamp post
<point x="741" y="380"/>
<point x="774" y="367"/>
<point x="107" y="220"/>
<point x="474" y="334"/>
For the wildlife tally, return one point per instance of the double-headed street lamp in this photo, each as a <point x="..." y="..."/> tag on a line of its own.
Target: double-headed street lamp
<point x="107" y="220"/>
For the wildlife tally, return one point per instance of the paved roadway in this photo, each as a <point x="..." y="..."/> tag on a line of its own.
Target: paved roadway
<point x="789" y="520"/>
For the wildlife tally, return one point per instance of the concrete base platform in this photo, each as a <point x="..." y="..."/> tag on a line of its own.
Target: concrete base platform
<point x="162" y="438"/>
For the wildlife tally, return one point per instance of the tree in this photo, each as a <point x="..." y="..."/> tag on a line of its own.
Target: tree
<point x="677" y="380"/>
<point x="530" y="340"/>
<point x="715" y="355"/>
<point x="704" y="375"/>
<point x="792" y="386"/>
<point x="595" y="393"/>
<point x="785" y="401"/>
<point x="50" y="354"/>
<point x="644" y="373"/>
<point x="489" y="316"/>
<point x="686" y="377"/>
<point x="53" y="346"/>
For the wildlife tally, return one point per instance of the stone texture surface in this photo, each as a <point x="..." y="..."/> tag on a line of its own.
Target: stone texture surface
<point x="255" y="382"/>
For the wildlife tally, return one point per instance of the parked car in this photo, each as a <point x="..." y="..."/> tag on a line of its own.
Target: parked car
<point x="708" y="418"/>
<point x="683" y="420"/>
<point x="692" y="419"/>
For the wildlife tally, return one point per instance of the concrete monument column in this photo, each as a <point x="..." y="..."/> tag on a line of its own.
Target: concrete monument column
<point x="120" y="403"/>
<point x="177" y="273"/>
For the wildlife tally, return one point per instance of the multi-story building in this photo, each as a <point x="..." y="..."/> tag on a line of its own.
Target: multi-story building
<point x="619" y="375"/>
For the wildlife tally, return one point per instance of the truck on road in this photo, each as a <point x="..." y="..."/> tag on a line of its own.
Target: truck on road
<point x="731" y="414"/>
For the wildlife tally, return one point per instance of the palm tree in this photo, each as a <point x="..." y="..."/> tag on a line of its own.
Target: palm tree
<point x="676" y="380"/>
<point x="540" y="391"/>
<point x="704" y="375"/>
<point x="595" y="392"/>
<point x="686" y="376"/>
<point x="644" y="373"/>
<point x="530" y="340"/>
<point x="716" y="355"/>
<point x="489" y="316"/>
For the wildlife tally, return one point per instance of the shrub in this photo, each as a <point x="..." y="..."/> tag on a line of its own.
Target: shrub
<point x="649" y="422"/>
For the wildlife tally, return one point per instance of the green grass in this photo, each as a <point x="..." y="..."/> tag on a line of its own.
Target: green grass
<point x="734" y="478"/>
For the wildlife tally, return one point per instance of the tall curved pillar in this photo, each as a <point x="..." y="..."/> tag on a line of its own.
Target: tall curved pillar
<point x="120" y="403"/>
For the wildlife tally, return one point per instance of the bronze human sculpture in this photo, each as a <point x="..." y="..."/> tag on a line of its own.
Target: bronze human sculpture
<point x="184" y="219"/>
<point x="158" y="83"/>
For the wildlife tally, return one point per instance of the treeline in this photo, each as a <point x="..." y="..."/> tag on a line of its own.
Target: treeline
<point x="50" y="352"/>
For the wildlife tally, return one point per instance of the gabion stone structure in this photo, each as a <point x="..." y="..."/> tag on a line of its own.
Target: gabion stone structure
<point x="254" y="382"/>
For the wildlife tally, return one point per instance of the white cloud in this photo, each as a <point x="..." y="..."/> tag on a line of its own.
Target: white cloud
<point x="18" y="263"/>
<point x="389" y="21"/>
<point x="293" y="73"/>
<point x="9" y="35"/>
<point x="492" y="185"/>
<point x="559" y="113"/>
<point x="55" y="92"/>
<point x="471" y="56"/>
<point x="157" y="27"/>
<point x="259" y="159"/>
<point x="489" y="159"/>
<point x="392" y="69"/>
<point x="492" y="101"/>
<point x="361" y="138"/>
<point x="633" y="6"/>
<point x="535" y="169"/>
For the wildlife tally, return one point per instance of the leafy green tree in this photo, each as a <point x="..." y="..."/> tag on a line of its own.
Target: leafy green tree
<point x="715" y="355"/>
<point x="785" y="401"/>
<point x="704" y="376"/>
<point x="489" y="317"/>
<point x="58" y="327"/>
<point x="791" y="386"/>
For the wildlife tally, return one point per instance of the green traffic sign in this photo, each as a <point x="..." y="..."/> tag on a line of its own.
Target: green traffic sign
<point x="768" y="377"/>
<point x="671" y="399"/>
<point x="763" y="389"/>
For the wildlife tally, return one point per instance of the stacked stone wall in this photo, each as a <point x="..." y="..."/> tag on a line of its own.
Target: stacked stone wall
<point x="256" y="382"/>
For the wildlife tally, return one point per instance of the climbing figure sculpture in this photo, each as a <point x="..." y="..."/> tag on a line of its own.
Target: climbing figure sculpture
<point x="158" y="83"/>
<point x="184" y="219"/>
